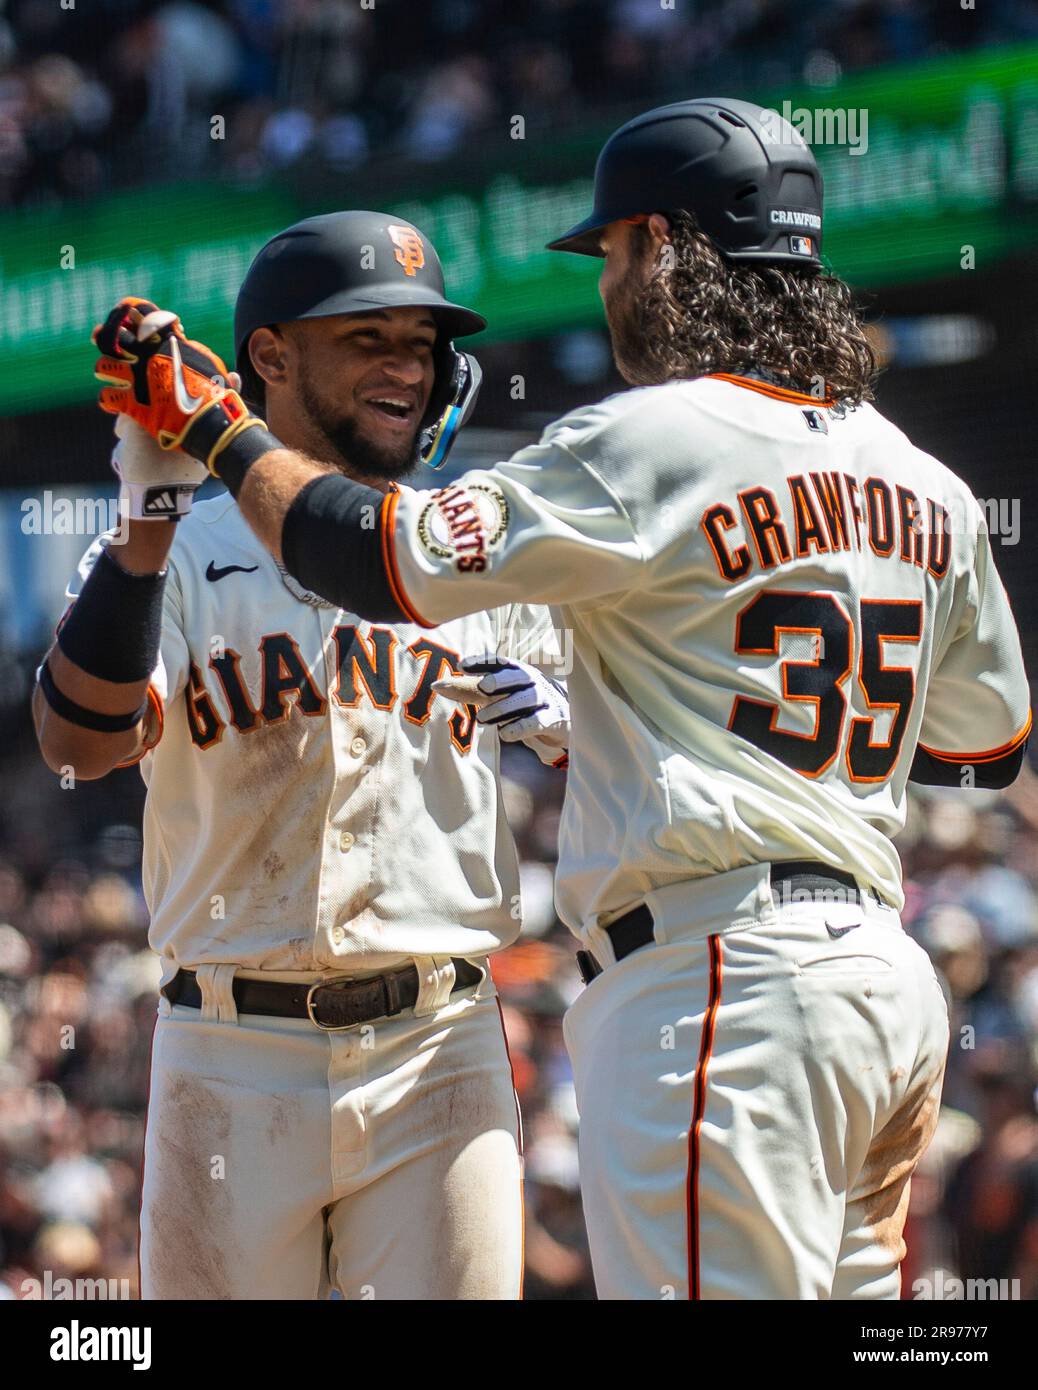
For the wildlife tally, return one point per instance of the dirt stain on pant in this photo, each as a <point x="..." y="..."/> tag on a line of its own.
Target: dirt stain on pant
<point x="187" y="1244"/>
<point x="891" y="1161"/>
<point x="284" y="1120"/>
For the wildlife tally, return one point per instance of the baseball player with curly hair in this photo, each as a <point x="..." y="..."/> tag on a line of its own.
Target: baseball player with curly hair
<point x="326" y="856"/>
<point x="782" y="612"/>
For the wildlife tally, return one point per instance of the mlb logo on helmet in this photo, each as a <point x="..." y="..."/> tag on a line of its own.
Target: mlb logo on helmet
<point x="801" y="245"/>
<point x="410" y="250"/>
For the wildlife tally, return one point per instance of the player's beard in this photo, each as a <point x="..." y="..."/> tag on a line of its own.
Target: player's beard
<point x="629" y="325"/>
<point x="356" y="453"/>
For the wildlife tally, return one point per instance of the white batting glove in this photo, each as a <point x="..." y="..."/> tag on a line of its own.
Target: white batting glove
<point x="523" y="704"/>
<point x="155" y="483"/>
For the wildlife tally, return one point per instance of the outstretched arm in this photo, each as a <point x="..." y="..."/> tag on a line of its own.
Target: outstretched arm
<point x="543" y="527"/>
<point x="267" y="490"/>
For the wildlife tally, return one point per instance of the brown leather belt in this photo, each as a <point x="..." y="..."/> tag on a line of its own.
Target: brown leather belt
<point x="635" y="928"/>
<point x="328" y="1004"/>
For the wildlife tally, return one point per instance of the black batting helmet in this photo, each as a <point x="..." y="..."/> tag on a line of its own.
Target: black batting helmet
<point x="742" y="170"/>
<point x="351" y="263"/>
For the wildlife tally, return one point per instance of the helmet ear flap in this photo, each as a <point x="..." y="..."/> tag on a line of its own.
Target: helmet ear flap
<point x="444" y="384"/>
<point x="458" y="379"/>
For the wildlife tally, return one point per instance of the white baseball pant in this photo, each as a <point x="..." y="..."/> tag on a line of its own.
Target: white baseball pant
<point x="282" y="1161"/>
<point x="754" y="1096"/>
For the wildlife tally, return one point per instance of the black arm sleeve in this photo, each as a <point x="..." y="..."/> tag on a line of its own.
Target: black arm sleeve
<point x="114" y="629"/>
<point x="996" y="772"/>
<point x="331" y="542"/>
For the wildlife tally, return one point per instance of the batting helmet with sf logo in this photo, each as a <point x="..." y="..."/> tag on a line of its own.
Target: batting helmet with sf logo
<point x="350" y="263"/>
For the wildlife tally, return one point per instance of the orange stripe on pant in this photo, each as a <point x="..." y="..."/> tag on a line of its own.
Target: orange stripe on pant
<point x="698" y="1106"/>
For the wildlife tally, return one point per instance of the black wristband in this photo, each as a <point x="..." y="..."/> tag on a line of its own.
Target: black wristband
<point x="114" y="627"/>
<point x="86" y="718"/>
<point x="232" y="462"/>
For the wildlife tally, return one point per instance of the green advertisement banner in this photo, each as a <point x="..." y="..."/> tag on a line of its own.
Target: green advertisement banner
<point x="929" y="170"/>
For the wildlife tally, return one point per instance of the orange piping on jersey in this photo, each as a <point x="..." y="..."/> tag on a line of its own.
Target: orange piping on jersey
<point x="764" y="388"/>
<point x="519" y="1137"/>
<point x="706" y="1045"/>
<point x="155" y="699"/>
<point x="989" y="756"/>
<point x="396" y="588"/>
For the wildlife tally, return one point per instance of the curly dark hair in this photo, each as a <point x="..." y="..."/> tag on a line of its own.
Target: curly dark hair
<point x="701" y="312"/>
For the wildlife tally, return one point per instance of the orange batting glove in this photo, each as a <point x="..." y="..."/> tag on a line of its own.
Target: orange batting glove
<point x="172" y="387"/>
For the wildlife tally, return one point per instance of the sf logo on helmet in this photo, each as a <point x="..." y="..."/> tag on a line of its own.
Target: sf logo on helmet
<point x="410" y="250"/>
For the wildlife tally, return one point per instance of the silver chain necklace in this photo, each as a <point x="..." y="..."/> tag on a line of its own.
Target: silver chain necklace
<point x="304" y="595"/>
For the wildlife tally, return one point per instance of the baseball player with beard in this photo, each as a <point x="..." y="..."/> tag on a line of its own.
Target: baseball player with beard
<point x="326" y="857"/>
<point x="782" y="611"/>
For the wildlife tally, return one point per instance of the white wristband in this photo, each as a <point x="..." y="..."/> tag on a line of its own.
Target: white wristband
<point x="155" y="501"/>
<point x="155" y="484"/>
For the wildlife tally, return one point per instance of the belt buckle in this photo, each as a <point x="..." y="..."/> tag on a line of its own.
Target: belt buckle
<point x="311" y="1015"/>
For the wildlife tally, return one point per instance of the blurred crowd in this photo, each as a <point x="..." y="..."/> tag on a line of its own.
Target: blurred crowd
<point x="78" y="997"/>
<point x="110" y="93"/>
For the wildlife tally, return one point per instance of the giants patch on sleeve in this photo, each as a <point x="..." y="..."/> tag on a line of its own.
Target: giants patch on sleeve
<point x="463" y="524"/>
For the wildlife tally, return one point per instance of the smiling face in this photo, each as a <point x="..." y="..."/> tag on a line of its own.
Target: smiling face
<point x="350" y="389"/>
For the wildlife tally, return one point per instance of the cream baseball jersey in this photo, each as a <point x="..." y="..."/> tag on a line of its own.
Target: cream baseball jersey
<point x="312" y="804"/>
<point x="772" y="602"/>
